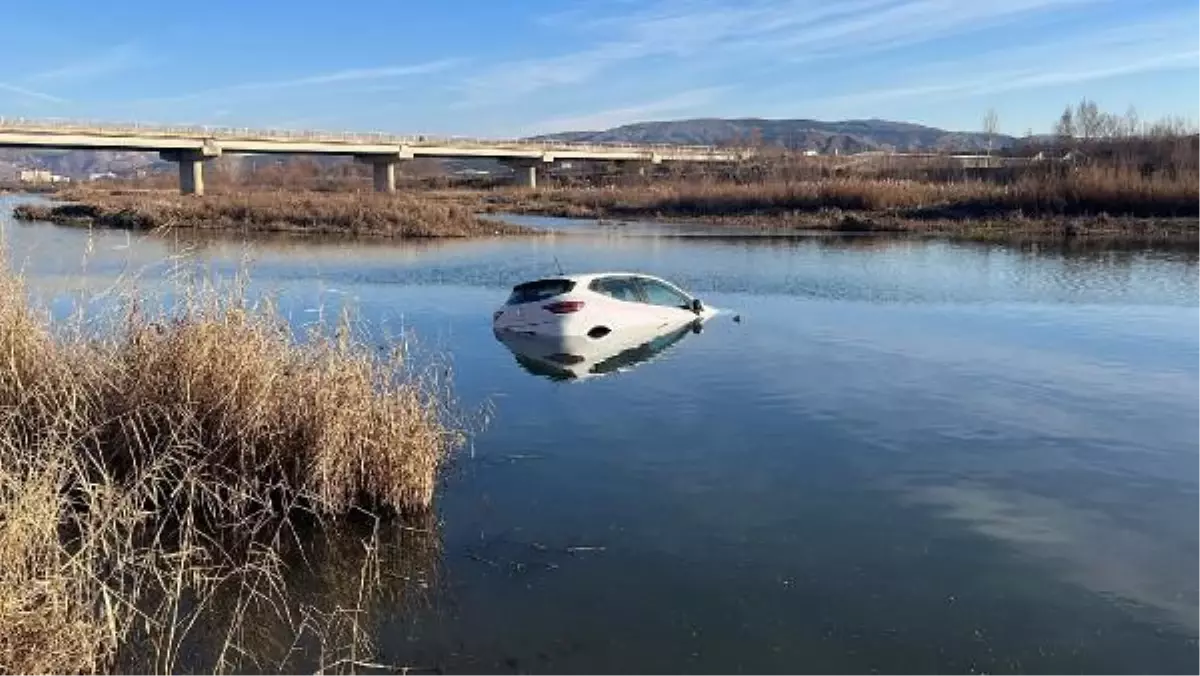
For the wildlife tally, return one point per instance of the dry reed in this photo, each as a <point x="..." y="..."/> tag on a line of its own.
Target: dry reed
<point x="151" y="468"/>
<point x="359" y="214"/>
<point x="1083" y="192"/>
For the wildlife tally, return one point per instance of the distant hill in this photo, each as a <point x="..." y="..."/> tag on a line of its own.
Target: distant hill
<point x="848" y="136"/>
<point x="74" y="163"/>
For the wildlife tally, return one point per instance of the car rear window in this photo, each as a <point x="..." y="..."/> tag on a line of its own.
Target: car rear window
<point x="531" y="292"/>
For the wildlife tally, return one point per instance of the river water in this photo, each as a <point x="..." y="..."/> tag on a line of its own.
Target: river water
<point x="906" y="456"/>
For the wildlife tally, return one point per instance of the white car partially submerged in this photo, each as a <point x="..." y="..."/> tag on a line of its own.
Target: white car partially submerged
<point x="593" y="306"/>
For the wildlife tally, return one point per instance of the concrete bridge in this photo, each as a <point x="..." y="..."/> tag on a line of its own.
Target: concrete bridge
<point x="189" y="147"/>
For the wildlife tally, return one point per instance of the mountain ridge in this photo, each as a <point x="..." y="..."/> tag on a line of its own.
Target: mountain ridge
<point x="826" y="137"/>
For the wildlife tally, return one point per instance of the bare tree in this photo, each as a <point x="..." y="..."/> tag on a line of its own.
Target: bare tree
<point x="1108" y="126"/>
<point x="990" y="120"/>
<point x="1065" y="128"/>
<point x="1172" y="126"/>
<point x="1087" y="119"/>
<point x="1133" y="125"/>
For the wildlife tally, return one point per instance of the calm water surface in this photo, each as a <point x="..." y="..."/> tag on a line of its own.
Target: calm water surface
<point x="906" y="456"/>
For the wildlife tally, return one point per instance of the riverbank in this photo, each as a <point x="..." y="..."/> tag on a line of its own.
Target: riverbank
<point x="1112" y="204"/>
<point x="152" y="474"/>
<point x="356" y="214"/>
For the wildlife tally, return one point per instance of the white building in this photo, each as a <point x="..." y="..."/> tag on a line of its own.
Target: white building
<point x="35" y="176"/>
<point x="40" y="176"/>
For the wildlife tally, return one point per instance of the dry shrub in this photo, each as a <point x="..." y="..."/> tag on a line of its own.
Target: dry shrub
<point x="326" y="419"/>
<point x="361" y="214"/>
<point x="1053" y="192"/>
<point x="150" y="471"/>
<point x="46" y="624"/>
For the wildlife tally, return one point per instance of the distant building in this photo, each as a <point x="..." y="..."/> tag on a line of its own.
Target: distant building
<point x="34" y="176"/>
<point x="811" y="153"/>
<point x="40" y="176"/>
<point x="99" y="176"/>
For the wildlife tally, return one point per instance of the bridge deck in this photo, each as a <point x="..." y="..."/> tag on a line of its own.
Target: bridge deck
<point x="75" y="135"/>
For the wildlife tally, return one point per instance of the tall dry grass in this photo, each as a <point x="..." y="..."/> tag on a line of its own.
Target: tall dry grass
<point x="1089" y="191"/>
<point x="152" y="468"/>
<point x="359" y="214"/>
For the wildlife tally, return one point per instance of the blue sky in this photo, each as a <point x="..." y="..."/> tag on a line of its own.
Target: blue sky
<point x="492" y="68"/>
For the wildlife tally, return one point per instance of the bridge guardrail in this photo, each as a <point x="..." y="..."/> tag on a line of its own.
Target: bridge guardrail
<point x="59" y="125"/>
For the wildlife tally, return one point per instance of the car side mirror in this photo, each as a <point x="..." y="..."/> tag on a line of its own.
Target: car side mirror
<point x="697" y="306"/>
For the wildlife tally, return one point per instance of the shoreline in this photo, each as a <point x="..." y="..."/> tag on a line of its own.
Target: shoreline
<point x="943" y="221"/>
<point x="1174" y="231"/>
<point x="402" y="215"/>
<point x="467" y="214"/>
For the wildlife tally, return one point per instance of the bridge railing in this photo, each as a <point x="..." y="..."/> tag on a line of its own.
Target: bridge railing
<point x="67" y="126"/>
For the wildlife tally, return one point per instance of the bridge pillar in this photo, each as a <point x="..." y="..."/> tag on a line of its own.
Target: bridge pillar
<point x="384" y="176"/>
<point x="526" y="175"/>
<point x="525" y="172"/>
<point x="383" y="170"/>
<point x="633" y="168"/>
<point x="191" y="169"/>
<point x="191" y="177"/>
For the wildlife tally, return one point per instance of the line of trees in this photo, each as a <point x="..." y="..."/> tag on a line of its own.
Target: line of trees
<point x="1086" y="121"/>
<point x="1126" y="146"/>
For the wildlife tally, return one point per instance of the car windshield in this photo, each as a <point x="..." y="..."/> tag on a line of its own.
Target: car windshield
<point x="621" y="288"/>
<point x="658" y="293"/>
<point x="531" y="292"/>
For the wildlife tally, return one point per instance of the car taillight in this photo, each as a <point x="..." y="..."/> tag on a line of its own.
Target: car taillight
<point x="564" y="307"/>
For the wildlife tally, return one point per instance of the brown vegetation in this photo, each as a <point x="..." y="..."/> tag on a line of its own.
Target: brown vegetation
<point x="358" y="214"/>
<point x="1108" y="183"/>
<point x="26" y="188"/>
<point x="1100" y="166"/>
<point x="1088" y="191"/>
<point x="1101" y="174"/>
<point x="298" y="173"/>
<point x="158" y="466"/>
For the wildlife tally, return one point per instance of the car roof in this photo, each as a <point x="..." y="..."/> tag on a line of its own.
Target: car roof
<point x="584" y="279"/>
<point x="588" y="277"/>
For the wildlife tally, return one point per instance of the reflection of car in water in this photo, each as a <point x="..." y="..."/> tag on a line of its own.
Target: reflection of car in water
<point x="576" y="358"/>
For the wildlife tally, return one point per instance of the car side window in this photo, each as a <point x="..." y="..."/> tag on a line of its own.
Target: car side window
<point x="620" y="288"/>
<point x="658" y="293"/>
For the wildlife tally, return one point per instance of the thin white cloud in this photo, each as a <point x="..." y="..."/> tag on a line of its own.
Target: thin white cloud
<point x="1137" y="48"/>
<point x="108" y="62"/>
<point x="761" y="33"/>
<point x="675" y="28"/>
<point x="30" y="93"/>
<point x="911" y="23"/>
<point x="355" y="74"/>
<point x="335" y="77"/>
<point x="679" y="103"/>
